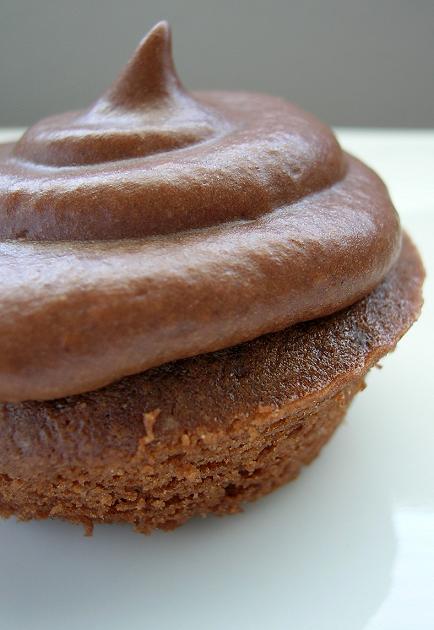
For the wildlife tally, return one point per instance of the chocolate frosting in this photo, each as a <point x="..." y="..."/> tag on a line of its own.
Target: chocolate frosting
<point x="158" y="225"/>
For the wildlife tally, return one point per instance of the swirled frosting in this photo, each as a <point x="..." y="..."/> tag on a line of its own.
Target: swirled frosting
<point x="159" y="224"/>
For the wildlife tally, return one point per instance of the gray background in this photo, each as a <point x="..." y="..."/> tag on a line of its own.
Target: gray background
<point x="351" y="62"/>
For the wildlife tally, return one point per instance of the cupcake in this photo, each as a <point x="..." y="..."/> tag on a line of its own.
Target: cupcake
<point x="193" y="287"/>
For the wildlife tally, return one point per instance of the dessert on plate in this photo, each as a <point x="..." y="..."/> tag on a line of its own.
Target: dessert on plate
<point x="193" y="287"/>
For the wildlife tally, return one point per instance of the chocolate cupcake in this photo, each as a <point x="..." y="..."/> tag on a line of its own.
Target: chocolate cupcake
<point x="192" y="287"/>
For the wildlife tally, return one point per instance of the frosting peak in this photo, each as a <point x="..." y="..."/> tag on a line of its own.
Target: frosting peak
<point x="146" y="111"/>
<point x="150" y="74"/>
<point x="158" y="224"/>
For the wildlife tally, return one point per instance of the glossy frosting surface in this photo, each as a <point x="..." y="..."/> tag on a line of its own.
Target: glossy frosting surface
<point x="158" y="225"/>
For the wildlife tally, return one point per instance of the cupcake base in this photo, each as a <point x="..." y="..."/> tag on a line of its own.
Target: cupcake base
<point x="205" y="434"/>
<point x="209" y="475"/>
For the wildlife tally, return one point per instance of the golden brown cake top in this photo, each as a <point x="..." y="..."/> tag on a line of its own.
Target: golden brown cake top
<point x="159" y="224"/>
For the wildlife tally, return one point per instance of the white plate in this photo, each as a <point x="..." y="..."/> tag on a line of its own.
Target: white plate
<point x="348" y="546"/>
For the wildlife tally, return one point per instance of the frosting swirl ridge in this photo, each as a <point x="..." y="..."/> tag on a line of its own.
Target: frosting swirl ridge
<point x="159" y="224"/>
<point x="147" y="158"/>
